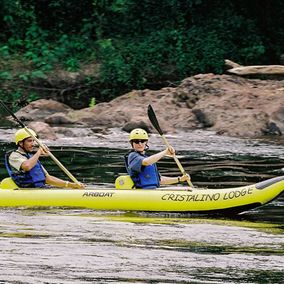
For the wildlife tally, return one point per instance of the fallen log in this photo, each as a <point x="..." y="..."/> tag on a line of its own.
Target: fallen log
<point x="255" y="69"/>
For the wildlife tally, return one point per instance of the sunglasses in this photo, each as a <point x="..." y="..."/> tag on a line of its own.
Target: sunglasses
<point x="137" y="141"/>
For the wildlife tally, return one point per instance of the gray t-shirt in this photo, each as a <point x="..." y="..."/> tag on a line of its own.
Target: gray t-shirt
<point x="17" y="158"/>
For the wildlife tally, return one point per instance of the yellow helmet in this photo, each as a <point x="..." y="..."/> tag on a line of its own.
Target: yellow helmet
<point x="138" y="133"/>
<point x="22" y="134"/>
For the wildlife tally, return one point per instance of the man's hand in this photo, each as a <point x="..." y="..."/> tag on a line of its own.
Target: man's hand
<point x="171" y="151"/>
<point x="75" y="185"/>
<point x="43" y="150"/>
<point x="185" y="177"/>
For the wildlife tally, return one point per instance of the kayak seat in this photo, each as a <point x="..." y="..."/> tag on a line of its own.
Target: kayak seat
<point x="8" y="183"/>
<point x="124" y="182"/>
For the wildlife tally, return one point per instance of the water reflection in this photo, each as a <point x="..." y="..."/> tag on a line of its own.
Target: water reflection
<point x="81" y="246"/>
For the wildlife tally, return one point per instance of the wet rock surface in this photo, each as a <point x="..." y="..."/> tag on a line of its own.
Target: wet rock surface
<point x="227" y="104"/>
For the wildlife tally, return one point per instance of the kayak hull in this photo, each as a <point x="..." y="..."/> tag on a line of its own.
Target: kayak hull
<point x="178" y="199"/>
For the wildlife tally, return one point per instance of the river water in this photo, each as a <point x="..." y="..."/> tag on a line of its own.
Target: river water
<point x="58" y="245"/>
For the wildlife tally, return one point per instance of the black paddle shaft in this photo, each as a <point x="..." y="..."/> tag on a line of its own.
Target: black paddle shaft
<point x="11" y="113"/>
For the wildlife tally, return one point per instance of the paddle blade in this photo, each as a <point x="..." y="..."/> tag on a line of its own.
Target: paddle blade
<point x="154" y="120"/>
<point x="11" y="113"/>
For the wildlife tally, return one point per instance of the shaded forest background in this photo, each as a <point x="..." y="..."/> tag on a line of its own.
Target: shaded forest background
<point x="86" y="52"/>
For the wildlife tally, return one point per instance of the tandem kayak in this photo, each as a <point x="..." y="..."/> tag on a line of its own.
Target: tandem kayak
<point x="170" y="199"/>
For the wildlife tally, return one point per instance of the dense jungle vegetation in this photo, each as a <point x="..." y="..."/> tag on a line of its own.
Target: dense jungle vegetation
<point x="119" y="45"/>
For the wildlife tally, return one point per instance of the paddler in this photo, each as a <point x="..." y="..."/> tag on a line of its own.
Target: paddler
<point x="25" y="168"/>
<point x="142" y="168"/>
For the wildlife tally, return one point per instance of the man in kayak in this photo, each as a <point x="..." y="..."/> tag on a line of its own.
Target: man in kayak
<point x="142" y="168"/>
<point x="25" y="168"/>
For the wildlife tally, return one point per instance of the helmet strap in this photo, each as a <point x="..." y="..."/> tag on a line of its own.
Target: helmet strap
<point x="23" y="145"/>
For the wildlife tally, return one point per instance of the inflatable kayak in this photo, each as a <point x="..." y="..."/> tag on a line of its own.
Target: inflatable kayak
<point x="169" y="199"/>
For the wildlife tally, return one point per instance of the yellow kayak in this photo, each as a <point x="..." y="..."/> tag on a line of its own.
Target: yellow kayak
<point x="168" y="199"/>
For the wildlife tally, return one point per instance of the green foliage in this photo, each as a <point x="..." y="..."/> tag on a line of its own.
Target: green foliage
<point x="5" y="75"/>
<point x="162" y="56"/>
<point x="32" y="96"/>
<point x="4" y="51"/>
<point x="137" y="44"/>
<point x="13" y="97"/>
<point x="92" y="102"/>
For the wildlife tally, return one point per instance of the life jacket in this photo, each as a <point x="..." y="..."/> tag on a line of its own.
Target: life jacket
<point x="148" y="178"/>
<point x="33" y="178"/>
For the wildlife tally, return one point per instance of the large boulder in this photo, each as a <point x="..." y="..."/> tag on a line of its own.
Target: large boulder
<point x="236" y="106"/>
<point x="131" y="109"/>
<point x="227" y="104"/>
<point x="43" y="130"/>
<point x="40" y="110"/>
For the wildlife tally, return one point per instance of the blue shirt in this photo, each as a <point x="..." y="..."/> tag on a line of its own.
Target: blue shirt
<point x="143" y="176"/>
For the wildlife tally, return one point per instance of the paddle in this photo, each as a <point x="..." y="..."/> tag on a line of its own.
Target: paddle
<point x="155" y="123"/>
<point x="40" y="144"/>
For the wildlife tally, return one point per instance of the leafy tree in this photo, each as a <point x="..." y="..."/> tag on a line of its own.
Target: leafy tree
<point x="137" y="44"/>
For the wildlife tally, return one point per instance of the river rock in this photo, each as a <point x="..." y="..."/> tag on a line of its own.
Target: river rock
<point x="43" y="130"/>
<point x="39" y="110"/>
<point x="58" y="118"/>
<point x="237" y="106"/>
<point x="131" y="110"/>
<point x="227" y="104"/>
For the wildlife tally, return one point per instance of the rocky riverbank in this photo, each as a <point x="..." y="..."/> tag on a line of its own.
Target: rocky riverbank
<point x="227" y="104"/>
